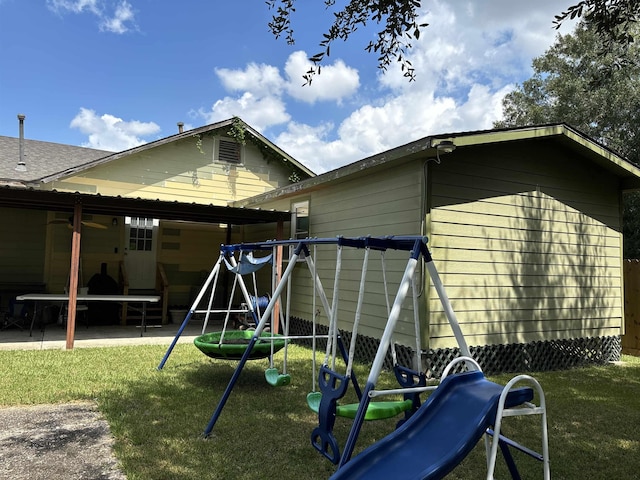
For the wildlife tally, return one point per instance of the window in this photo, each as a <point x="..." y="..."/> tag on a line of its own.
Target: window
<point x="228" y="151"/>
<point x="141" y="233"/>
<point x="300" y="220"/>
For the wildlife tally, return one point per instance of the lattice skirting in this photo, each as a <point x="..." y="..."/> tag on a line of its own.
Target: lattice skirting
<point x="515" y="357"/>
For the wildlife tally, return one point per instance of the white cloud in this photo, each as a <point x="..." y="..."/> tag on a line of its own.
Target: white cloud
<point x="118" y="22"/>
<point x="314" y="146"/>
<point x="74" y="6"/>
<point x="107" y="132"/>
<point x="112" y="17"/>
<point x="258" y="79"/>
<point x="259" y="112"/>
<point x="405" y="118"/>
<point x="336" y="81"/>
<point x="263" y="91"/>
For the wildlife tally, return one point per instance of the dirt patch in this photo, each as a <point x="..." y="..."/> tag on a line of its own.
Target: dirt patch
<point x="67" y="441"/>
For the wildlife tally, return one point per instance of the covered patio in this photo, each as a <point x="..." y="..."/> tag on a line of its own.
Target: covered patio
<point x="78" y="204"/>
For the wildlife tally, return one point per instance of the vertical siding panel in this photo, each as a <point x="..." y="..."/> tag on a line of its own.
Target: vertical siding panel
<point x="188" y="252"/>
<point x="22" y="247"/>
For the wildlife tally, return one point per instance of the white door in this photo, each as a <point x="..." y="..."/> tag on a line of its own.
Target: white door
<point x="140" y="251"/>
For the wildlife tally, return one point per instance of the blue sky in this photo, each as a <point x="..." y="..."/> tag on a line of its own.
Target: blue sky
<point x="113" y="74"/>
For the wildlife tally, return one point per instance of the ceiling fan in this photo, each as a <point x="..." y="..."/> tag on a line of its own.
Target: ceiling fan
<point x="69" y="223"/>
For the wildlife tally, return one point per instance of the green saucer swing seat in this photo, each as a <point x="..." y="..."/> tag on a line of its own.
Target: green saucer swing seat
<point x="235" y="343"/>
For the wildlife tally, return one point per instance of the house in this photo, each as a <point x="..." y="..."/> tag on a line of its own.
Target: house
<point x="153" y="215"/>
<point x="524" y="226"/>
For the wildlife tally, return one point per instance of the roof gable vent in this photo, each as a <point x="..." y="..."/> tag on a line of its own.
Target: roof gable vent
<point x="228" y="151"/>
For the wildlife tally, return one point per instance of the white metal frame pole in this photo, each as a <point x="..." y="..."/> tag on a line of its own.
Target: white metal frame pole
<point x="378" y="361"/>
<point x="448" y="309"/>
<point x="214" y="272"/>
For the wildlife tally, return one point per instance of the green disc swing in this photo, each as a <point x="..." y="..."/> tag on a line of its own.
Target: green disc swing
<point x="232" y="344"/>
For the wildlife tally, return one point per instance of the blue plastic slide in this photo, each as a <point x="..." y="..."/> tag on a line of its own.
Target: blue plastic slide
<point x="439" y="435"/>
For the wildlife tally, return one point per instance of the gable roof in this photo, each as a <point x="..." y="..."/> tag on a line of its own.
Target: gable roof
<point x="180" y="136"/>
<point x="560" y="133"/>
<point x="47" y="162"/>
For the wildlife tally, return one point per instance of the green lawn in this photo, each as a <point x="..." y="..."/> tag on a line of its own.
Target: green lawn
<point x="158" y="417"/>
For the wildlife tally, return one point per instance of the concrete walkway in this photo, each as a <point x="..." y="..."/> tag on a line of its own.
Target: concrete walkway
<point x="54" y="336"/>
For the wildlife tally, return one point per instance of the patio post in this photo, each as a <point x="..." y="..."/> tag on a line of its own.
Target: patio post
<point x="73" y="275"/>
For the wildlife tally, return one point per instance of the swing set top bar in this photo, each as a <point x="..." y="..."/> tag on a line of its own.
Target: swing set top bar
<point x="403" y="242"/>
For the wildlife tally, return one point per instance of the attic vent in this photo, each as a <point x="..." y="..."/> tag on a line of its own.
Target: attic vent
<point x="228" y="151"/>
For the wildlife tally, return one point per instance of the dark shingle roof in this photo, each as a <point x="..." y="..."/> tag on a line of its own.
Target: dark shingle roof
<point x="42" y="159"/>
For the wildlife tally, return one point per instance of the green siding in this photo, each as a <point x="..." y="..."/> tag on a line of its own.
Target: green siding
<point x="527" y="241"/>
<point x="525" y="235"/>
<point x="377" y="203"/>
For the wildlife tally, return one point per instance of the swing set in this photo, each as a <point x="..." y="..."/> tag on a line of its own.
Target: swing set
<point x="261" y="342"/>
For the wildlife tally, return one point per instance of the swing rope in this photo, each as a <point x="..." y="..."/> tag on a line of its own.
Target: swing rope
<point x="394" y="354"/>
<point x="337" y="384"/>
<point x="272" y="376"/>
<point x="332" y="341"/>
<point x="273" y="288"/>
<point x="314" y="316"/>
<point x="356" y="322"/>
<point x="375" y="410"/>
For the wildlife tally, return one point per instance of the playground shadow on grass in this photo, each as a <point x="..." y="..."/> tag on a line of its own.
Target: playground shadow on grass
<point x="263" y="432"/>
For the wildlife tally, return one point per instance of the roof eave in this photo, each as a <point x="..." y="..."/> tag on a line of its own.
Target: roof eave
<point x="628" y="172"/>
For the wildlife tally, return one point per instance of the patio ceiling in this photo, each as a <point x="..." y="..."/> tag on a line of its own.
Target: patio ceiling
<point x="97" y="204"/>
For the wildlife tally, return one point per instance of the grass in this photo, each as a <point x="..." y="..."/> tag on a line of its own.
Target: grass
<point x="158" y="417"/>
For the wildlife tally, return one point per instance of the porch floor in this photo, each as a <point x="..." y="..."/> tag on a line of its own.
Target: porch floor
<point x="54" y="336"/>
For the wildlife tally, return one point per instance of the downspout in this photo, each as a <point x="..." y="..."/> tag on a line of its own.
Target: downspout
<point x="442" y="146"/>
<point x="425" y="230"/>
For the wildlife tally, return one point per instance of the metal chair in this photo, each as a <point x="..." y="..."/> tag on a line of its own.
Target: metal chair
<point x="16" y="316"/>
